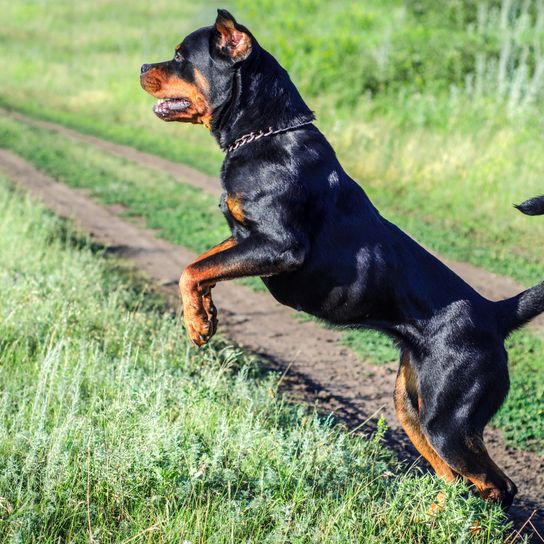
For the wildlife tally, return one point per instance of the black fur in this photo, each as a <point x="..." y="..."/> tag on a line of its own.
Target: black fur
<point x="322" y="247"/>
<point x="533" y="206"/>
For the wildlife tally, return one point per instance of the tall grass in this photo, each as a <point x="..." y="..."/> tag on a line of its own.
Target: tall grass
<point x="345" y="50"/>
<point x="516" y="73"/>
<point x="112" y="429"/>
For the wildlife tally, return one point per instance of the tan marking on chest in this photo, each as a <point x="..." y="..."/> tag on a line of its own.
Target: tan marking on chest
<point x="234" y="204"/>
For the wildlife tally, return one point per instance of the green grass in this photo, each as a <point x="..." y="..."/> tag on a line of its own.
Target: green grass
<point x="186" y="216"/>
<point x="179" y="212"/>
<point x="113" y="429"/>
<point x="389" y="81"/>
<point x="522" y="415"/>
<point x="84" y="62"/>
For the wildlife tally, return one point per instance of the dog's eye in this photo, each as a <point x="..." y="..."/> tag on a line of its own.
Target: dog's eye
<point x="178" y="57"/>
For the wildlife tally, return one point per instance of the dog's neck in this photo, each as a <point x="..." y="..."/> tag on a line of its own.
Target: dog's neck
<point x="262" y="96"/>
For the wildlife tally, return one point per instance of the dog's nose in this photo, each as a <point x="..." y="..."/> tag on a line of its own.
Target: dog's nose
<point x="144" y="68"/>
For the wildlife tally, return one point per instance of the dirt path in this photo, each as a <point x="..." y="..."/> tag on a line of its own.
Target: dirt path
<point x="320" y="370"/>
<point x="493" y="286"/>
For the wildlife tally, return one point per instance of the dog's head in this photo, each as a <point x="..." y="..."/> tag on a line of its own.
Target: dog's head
<point x="195" y="82"/>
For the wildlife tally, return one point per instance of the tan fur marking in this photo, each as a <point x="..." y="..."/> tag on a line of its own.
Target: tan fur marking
<point x="234" y="204"/>
<point x="165" y="85"/>
<point x="227" y="244"/>
<point x="204" y="86"/>
<point x="490" y="477"/>
<point x="201" y="81"/>
<point x="199" y="312"/>
<point x="406" y="393"/>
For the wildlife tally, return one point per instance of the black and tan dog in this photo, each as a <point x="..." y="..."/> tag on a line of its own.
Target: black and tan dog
<point x="310" y="232"/>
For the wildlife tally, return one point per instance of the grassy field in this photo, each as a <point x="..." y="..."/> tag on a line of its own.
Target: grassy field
<point x="435" y="110"/>
<point x="113" y="429"/>
<point x="186" y="216"/>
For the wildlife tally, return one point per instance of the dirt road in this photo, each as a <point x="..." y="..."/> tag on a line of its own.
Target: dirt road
<point x="320" y="369"/>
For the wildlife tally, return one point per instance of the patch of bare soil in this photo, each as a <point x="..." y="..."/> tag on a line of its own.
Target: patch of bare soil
<point x="318" y="370"/>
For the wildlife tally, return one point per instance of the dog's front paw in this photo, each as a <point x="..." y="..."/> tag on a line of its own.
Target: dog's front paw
<point x="199" y="312"/>
<point x="200" y="316"/>
<point x="200" y="327"/>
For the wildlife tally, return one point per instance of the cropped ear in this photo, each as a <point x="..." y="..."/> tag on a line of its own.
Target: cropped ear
<point x="234" y="39"/>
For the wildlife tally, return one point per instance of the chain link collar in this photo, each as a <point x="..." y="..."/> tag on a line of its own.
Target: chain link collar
<point x="252" y="136"/>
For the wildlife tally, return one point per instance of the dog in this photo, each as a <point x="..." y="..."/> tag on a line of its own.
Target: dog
<point x="319" y="244"/>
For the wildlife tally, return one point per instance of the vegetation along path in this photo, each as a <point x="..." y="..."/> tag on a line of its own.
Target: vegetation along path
<point x="317" y="367"/>
<point x="491" y="285"/>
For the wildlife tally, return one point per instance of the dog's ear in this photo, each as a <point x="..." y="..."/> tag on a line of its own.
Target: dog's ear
<point x="234" y="40"/>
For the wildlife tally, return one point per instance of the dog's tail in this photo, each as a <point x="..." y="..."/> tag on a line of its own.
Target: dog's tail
<point x="516" y="311"/>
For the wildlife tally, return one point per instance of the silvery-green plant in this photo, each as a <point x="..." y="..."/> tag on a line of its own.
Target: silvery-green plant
<point x="512" y="70"/>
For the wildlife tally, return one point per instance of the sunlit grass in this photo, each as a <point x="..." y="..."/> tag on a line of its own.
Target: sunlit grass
<point x="113" y="428"/>
<point x="184" y="215"/>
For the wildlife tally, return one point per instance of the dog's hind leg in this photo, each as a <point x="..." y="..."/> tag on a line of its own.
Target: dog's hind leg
<point x="470" y="458"/>
<point x="407" y="402"/>
<point x="489" y="479"/>
<point x="454" y="411"/>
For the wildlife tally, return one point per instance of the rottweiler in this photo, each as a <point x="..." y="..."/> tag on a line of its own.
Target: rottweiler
<point x="319" y="244"/>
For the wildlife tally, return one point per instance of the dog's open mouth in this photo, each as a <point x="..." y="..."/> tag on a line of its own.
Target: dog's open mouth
<point x="167" y="106"/>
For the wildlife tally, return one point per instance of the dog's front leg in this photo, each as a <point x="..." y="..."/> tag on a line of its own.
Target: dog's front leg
<point x="254" y="256"/>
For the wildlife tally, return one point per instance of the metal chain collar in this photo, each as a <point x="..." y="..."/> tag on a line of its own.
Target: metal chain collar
<point x="252" y="136"/>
